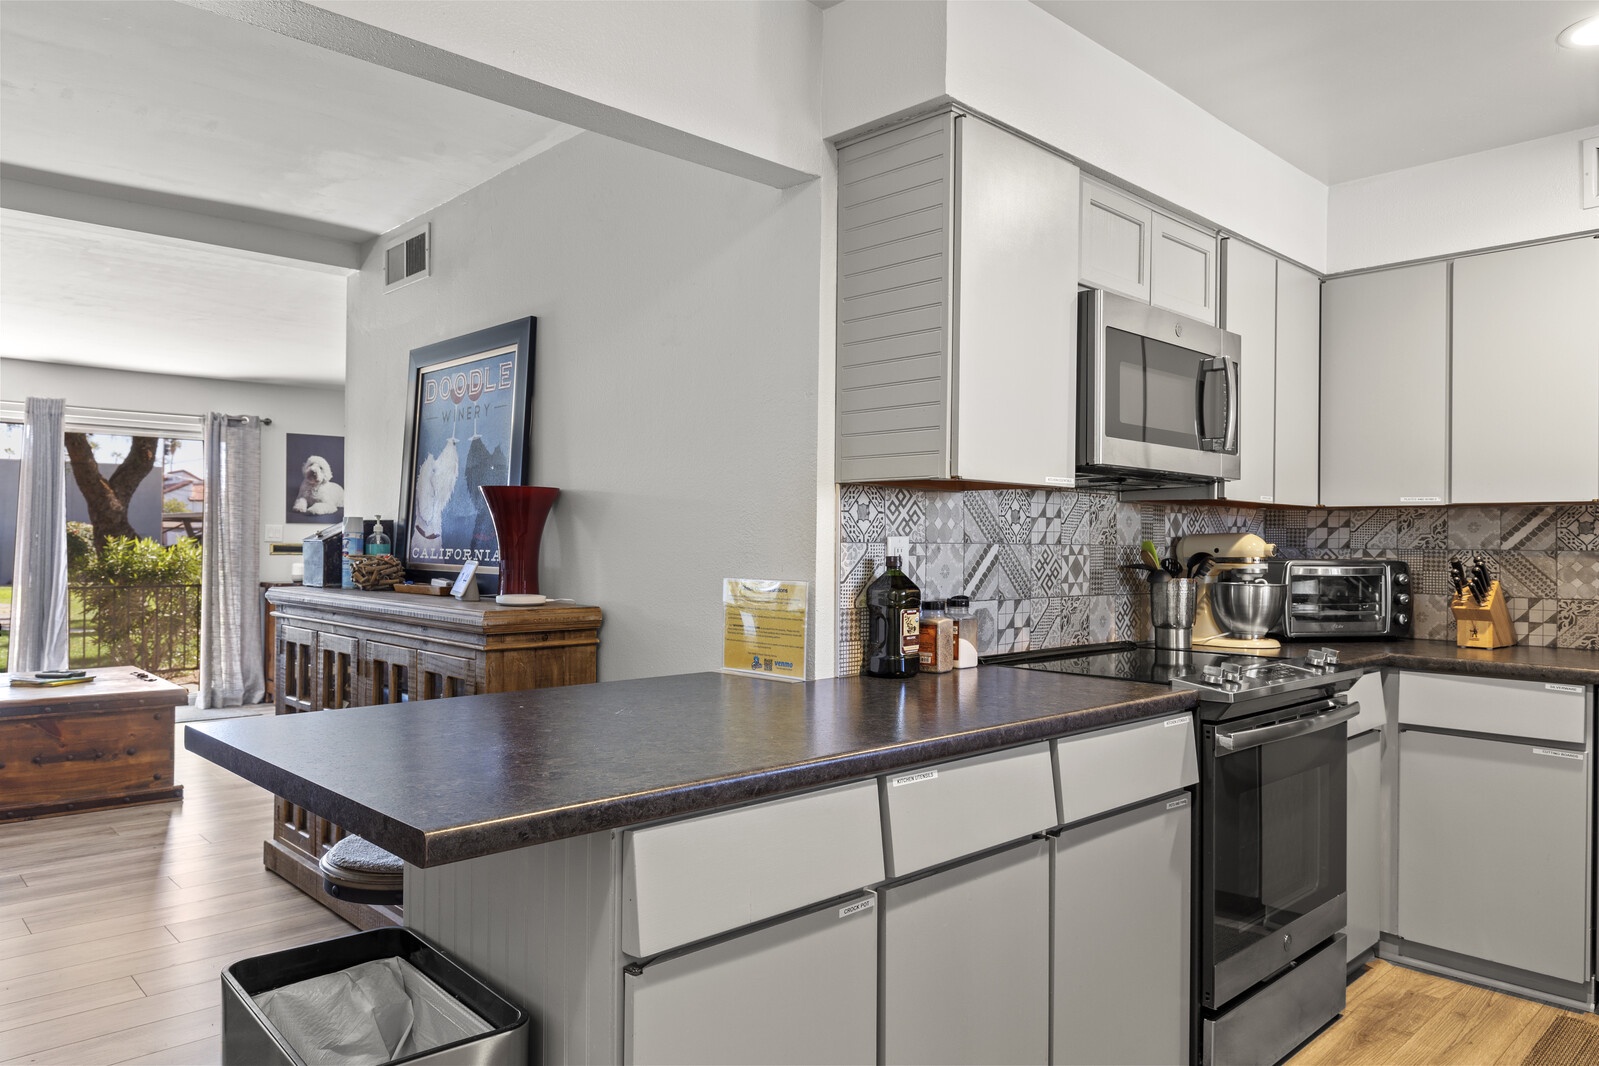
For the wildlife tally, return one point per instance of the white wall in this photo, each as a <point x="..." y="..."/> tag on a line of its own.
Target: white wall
<point x="1517" y="193"/>
<point x="292" y="410"/>
<point x="739" y="74"/>
<point x="1010" y="60"/>
<point x="675" y="385"/>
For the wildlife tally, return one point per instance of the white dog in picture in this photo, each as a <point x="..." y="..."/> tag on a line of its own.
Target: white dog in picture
<point x="319" y="493"/>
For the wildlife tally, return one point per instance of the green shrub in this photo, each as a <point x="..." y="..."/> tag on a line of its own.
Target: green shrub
<point x="80" y="546"/>
<point x="143" y="600"/>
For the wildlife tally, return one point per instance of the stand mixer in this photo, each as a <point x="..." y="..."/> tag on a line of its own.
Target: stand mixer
<point x="1237" y="558"/>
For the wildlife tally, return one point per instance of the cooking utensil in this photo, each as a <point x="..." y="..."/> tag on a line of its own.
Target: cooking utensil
<point x="1199" y="564"/>
<point x="1247" y="609"/>
<point x="1172" y="567"/>
<point x="1150" y="556"/>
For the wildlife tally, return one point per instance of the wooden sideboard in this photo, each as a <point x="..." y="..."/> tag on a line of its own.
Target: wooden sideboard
<point x="106" y="743"/>
<point x="347" y="648"/>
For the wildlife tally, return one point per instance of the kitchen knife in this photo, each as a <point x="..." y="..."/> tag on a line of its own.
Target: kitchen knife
<point x="1457" y="577"/>
<point x="1479" y="580"/>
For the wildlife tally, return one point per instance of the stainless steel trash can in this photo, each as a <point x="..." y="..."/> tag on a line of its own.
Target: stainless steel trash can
<point x="249" y="1038"/>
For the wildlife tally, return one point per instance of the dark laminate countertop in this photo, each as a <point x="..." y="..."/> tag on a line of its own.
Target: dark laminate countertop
<point x="444" y="780"/>
<point x="1569" y="666"/>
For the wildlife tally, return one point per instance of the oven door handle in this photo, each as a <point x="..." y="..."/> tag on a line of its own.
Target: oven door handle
<point x="1242" y="739"/>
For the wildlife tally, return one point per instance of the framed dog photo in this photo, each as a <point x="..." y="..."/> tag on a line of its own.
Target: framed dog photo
<point x="314" y="477"/>
<point x="468" y="412"/>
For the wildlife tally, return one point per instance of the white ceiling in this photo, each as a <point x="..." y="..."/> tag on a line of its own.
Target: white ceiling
<point x="225" y="120"/>
<point x="1345" y="89"/>
<point x="158" y="102"/>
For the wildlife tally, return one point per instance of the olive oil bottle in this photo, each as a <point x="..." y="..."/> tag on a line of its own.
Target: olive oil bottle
<point x="894" y="611"/>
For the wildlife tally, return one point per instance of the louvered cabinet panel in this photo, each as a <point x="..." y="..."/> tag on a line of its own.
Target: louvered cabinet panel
<point x="296" y="667"/>
<point x="337" y="677"/>
<point x="386" y="670"/>
<point x="441" y="676"/>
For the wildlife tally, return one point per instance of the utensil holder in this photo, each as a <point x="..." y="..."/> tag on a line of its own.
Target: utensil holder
<point x="1485" y="626"/>
<point x="1171" y="610"/>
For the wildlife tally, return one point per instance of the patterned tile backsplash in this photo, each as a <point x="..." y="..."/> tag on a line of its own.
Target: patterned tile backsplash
<point x="1043" y="568"/>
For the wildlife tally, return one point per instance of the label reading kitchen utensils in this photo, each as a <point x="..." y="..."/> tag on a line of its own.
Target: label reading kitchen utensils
<point x="1175" y="721"/>
<point x="1421" y="499"/>
<point x="1181" y="801"/>
<point x="858" y="906"/>
<point x="913" y="779"/>
<point x="1558" y="754"/>
<point x="1564" y="688"/>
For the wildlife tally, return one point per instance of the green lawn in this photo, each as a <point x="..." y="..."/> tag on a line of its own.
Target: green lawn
<point x="83" y="645"/>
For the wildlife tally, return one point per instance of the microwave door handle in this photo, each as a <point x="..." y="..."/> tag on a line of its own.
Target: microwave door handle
<point x="1227" y="370"/>
<point x="1230" y="434"/>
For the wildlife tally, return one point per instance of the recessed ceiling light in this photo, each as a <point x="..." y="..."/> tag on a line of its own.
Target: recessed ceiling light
<point x="1584" y="34"/>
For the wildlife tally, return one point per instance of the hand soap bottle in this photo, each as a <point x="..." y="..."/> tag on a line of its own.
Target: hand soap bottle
<point x="894" y="611"/>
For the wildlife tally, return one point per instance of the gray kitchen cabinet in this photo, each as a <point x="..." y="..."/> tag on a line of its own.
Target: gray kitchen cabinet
<point x="1123" y="886"/>
<point x="957" y="322"/>
<point x="1249" y="309"/>
<point x="1298" y="439"/>
<point x="1364" y="865"/>
<point x="801" y="991"/>
<point x="1525" y="364"/>
<point x="1131" y="248"/>
<point x="1385" y="387"/>
<point x="966" y="962"/>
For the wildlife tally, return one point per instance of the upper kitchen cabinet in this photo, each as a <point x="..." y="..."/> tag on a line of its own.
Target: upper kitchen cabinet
<point x="1525" y="425"/>
<point x="957" y="310"/>
<point x="1275" y="309"/>
<point x="1384" y="388"/>
<point x="1133" y="249"/>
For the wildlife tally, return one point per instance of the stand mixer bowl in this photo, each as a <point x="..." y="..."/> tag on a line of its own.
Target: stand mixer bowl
<point x="1248" y="609"/>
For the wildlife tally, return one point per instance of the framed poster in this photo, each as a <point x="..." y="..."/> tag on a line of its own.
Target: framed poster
<point x="468" y="405"/>
<point x="314" y="478"/>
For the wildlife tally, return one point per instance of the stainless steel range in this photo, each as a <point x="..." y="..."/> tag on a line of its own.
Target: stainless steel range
<point x="1271" y="905"/>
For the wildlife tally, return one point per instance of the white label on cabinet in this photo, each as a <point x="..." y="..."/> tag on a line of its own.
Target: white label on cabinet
<point x="1067" y="481"/>
<point x="1421" y="499"/>
<point x="1176" y="721"/>
<point x="1558" y="754"/>
<point x="1565" y="688"/>
<point x="856" y="907"/>
<point x="1179" y="802"/>
<point x="1267" y="499"/>
<point x="913" y="779"/>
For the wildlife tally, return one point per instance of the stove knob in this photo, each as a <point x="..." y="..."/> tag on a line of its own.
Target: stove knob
<point x="1211" y="675"/>
<point x="1232" y="673"/>
<point x="1317" y="656"/>
<point x="1329" y="657"/>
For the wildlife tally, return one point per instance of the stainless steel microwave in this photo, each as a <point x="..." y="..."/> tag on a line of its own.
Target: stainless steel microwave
<point x="1157" y="396"/>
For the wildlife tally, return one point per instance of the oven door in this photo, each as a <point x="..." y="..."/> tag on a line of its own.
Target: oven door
<point x="1338" y="599"/>
<point x="1273" y="847"/>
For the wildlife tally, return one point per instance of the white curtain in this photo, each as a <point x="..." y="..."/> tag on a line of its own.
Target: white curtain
<point x="230" y="612"/>
<point x="39" y="582"/>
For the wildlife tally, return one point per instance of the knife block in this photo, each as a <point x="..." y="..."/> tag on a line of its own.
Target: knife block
<point x="1487" y="626"/>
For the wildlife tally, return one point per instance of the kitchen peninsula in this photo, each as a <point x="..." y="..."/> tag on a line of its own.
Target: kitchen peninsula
<point x="546" y="840"/>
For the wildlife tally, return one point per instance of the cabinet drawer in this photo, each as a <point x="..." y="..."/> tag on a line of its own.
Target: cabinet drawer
<point x="1368" y="692"/>
<point x="1489" y="705"/>
<point x="684" y="881"/>
<point x="1115" y="767"/>
<point x="940" y="813"/>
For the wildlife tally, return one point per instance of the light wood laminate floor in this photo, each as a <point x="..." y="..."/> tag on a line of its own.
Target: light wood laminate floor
<point x="1397" y="1015"/>
<point x="115" y="925"/>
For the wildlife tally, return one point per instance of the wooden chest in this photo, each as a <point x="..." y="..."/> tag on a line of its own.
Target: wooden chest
<point x="107" y="743"/>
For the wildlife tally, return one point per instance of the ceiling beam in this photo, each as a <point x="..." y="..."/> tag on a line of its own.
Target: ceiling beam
<point x="384" y="48"/>
<point x="332" y="249"/>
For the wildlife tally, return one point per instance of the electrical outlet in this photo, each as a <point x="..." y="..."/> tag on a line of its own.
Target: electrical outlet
<point x="900" y="546"/>
<point x="273" y="533"/>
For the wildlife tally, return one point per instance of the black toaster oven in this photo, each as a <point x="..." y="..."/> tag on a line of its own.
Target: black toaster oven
<point x="1337" y="599"/>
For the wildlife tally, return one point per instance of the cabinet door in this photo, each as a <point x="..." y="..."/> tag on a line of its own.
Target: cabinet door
<point x="1493" y="851"/>
<point x="338" y="671"/>
<point x="1123" y="886"/>
<point x="1249" y="309"/>
<point x="1182" y="272"/>
<point x="1016" y="329"/>
<point x="1298" y="409"/>
<point x="966" y="962"/>
<point x="386" y="671"/>
<point x="1364" y="865"/>
<point x="296" y="655"/>
<point x="441" y="676"/>
<point x="1384" y="388"/>
<point x="1117" y="234"/>
<point x="1525" y="362"/>
<point x="802" y="991"/>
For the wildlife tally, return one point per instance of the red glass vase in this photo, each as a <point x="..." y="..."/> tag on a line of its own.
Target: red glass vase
<point x="519" y="513"/>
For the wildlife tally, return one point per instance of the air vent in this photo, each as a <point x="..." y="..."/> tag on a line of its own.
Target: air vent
<point x="408" y="259"/>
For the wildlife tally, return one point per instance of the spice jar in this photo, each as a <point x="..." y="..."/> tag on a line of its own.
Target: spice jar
<point x="937" y="638"/>
<point x="960" y="612"/>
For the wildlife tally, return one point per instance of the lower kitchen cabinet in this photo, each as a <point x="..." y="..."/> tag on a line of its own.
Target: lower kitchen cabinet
<point x="801" y="991"/>
<point x="966" y="962"/>
<point x="1493" y="851"/>
<point x="1122" y="980"/>
<point x="1364" y="864"/>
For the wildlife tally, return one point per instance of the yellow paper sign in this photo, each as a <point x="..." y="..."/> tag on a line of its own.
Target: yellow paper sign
<point x="765" y="628"/>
